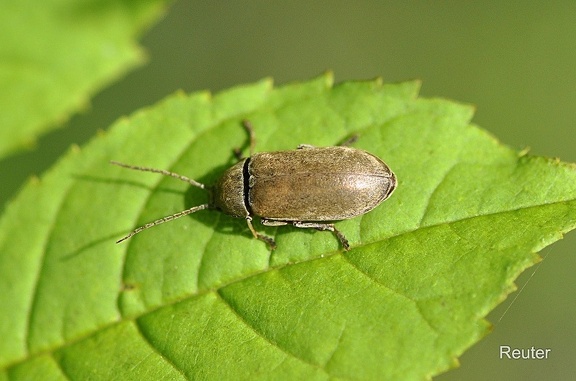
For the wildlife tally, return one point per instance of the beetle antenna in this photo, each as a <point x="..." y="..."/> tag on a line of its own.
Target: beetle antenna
<point x="162" y="172"/>
<point x="165" y="219"/>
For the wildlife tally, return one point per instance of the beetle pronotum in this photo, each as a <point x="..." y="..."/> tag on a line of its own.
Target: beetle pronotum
<point x="307" y="188"/>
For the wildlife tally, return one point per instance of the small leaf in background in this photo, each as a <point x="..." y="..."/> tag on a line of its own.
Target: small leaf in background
<point x="55" y="54"/>
<point x="199" y="298"/>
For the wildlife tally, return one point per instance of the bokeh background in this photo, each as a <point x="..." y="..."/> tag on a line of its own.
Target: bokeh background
<point x="516" y="61"/>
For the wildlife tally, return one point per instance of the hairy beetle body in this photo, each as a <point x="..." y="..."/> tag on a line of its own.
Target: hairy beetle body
<point x="305" y="187"/>
<point x="317" y="184"/>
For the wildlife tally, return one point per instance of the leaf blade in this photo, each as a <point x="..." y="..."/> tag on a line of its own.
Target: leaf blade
<point x="425" y="268"/>
<point x="56" y="54"/>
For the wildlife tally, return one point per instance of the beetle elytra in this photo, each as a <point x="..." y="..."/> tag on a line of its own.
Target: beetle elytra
<point x="307" y="188"/>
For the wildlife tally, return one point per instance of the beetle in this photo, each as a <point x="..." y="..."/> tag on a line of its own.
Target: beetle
<point x="307" y="187"/>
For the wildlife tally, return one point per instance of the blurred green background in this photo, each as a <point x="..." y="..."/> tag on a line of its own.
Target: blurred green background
<point x="515" y="60"/>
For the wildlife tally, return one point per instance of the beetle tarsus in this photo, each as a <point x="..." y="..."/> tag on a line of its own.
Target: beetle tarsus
<point x="342" y="239"/>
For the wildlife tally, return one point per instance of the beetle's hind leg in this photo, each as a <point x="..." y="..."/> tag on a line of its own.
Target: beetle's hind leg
<point x="303" y="225"/>
<point x="321" y="226"/>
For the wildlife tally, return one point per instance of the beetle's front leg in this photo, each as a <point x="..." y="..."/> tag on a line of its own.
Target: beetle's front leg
<point x="321" y="226"/>
<point x="269" y="240"/>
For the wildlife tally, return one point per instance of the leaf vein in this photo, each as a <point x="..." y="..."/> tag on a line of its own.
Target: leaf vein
<point x="395" y="292"/>
<point x="263" y="336"/>
<point x="157" y="350"/>
<point x="36" y="289"/>
<point x="61" y="367"/>
<point x="436" y="187"/>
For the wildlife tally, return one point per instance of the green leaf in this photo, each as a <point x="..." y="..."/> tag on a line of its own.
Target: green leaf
<point x="199" y="298"/>
<point x="55" y="54"/>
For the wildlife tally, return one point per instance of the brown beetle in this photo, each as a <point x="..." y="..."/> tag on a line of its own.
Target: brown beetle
<point x="306" y="187"/>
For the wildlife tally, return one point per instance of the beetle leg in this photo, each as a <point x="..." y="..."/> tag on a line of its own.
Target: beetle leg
<point x="269" y="240"/>
<point x="305" y="146"/>
<point x="266" y="222"/>
<point x="349" y="141"/>
<point x="321" y="226"/>
<point x="250" y="130"/>
<point x="251" y="140"/>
